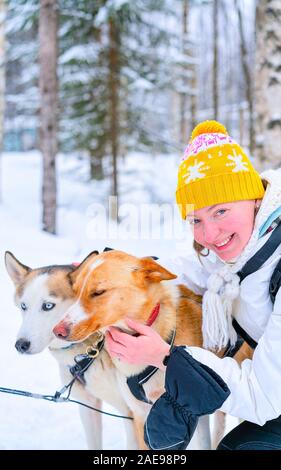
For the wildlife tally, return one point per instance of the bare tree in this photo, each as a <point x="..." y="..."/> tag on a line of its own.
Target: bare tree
<point x="183" y="95"/>
<point x="188" y="85"/>
<point x="215" y="59"/>
<point x="249" y="78"/>
<point x="2" y="75"/>
<point x="48" y="84"/>
<point x="268" y="83"/>
<point x="114" y="84"/>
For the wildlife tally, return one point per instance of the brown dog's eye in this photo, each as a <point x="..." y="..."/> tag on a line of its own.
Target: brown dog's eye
<point x="97" y="292"/>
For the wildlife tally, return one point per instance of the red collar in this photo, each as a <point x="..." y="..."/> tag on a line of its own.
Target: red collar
<point x="154" y="314"/>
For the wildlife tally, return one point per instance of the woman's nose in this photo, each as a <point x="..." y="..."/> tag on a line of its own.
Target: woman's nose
<point x="210" y="233"/>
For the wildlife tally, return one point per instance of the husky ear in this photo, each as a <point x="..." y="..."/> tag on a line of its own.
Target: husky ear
<point x="75" y="272"/>
<point x="153" y="271"/>
<point x="16" y="270"/>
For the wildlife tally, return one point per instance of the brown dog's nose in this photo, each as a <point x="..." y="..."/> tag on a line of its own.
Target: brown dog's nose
<point x="62" y="330"/>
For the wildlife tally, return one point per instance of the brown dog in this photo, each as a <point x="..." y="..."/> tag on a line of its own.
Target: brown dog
<point x="114" y="285"/>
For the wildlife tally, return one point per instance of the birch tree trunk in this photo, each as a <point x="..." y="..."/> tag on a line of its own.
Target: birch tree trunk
<point x="268" y="83"/>
<point x="48" y="85"/>
<point x="2" y="81"/>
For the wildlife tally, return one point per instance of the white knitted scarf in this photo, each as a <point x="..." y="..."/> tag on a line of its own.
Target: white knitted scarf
<point x="223" y="285"/>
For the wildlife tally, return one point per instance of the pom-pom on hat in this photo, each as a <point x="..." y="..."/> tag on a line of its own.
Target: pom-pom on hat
<point x="214" y="170"/>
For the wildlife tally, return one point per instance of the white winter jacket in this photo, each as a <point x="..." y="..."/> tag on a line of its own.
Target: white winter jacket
<point x="255" y="386"/>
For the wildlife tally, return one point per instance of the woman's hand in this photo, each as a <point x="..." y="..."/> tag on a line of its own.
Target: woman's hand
<point x="147" y="348"/>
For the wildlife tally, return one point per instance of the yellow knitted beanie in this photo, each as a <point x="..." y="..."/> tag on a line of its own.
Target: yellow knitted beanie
<point x="214" y="170"/>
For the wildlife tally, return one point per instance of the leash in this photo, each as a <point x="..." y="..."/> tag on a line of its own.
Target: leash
<point x="83" y="362"/>
<point x="57" y="398"/>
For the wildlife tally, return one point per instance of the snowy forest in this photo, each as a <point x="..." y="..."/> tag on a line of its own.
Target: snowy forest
<point x="100" y="79"/>
<point x="97" y="102"/>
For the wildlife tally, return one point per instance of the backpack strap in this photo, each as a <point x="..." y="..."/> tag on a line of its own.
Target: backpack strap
<point x="253" y="265"/>
<point x="243" y="334"/>
<point x="262" y="255"/>
<point x="275" y="282"/>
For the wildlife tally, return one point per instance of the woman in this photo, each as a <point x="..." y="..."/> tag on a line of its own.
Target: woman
<point x="233" y="213"/>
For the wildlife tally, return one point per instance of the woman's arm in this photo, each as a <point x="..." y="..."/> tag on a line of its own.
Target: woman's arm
<point x="255" y="384"/>
<point x="255" y="391"/>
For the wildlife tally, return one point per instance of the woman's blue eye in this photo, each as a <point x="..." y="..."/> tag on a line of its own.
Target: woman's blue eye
<point x="194" y="221"/>
<point x="46" y="306"/>
<point x="221" y="211"/>
<point x="23" y="306"/>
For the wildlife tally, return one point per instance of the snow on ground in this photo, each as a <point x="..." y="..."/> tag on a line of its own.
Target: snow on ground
<point x="34" y="424"/>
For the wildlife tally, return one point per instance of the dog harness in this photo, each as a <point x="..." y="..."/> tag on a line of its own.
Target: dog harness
<point x="136" y="382"/>
<point x="84" y="361"/>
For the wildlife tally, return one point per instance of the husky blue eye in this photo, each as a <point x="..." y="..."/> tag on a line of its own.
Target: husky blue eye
<point x="23" y="306"/>
<point x="46" y="306"/>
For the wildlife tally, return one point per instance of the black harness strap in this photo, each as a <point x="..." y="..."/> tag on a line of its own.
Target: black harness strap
<point x="262" y="255"/>
<point x="232" y="350"/>
<point x="135" y="382"/>
<point x="84" y="361"/>
<point x="244" y="335"/>
<point x="275" y="282"/>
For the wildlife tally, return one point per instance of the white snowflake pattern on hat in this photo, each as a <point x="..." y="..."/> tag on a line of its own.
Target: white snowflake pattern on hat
<point x="193" y="172"/>
<point x="238" y="163"/>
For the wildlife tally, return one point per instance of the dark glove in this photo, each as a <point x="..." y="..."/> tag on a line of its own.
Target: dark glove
<point x="192" y="390"/>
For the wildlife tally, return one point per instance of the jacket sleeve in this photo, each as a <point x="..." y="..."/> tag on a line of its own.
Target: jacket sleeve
<point x="190" y="271"/>
<point x="255" y="384"/>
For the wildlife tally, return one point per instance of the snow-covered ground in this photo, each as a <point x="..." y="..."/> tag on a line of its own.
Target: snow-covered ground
<point x="34" y="424"/>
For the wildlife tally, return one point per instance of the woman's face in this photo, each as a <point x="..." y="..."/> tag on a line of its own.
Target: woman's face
<point x="224" y="228"/>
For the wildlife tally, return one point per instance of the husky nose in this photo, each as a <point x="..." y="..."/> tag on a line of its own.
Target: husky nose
<point x="62" y="330"/>
<point x="22" y="345"/>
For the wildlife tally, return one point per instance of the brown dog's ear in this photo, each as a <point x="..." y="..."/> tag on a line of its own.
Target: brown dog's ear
<point x="153" y="271"/>
<point x="16" y="270"/>
<point x="73" y="274"/>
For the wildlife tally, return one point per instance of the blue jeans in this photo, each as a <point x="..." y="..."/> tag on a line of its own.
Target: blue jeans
<point x="249" y="436"/>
